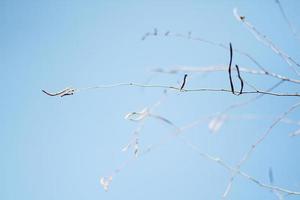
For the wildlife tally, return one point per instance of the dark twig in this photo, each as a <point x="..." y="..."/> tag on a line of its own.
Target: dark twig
<point x="230" y="75"/>
<point x="241" y="80"/>
<point x="229" y="69"/>
<point x="183" y="83"/>
<point x="65" y="92"/>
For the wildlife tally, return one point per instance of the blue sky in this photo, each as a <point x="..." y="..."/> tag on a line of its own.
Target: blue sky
<point x="59" y="148"/>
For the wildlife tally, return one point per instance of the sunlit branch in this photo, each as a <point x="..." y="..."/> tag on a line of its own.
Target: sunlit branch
<point x="199" y="39"/>
<point x="211" y="69"/>
<point x="266" y="41"/>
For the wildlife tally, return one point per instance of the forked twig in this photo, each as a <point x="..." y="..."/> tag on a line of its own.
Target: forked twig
<point x="254" y="145"/>
<point x="230" y="75"/>
<point x="178" y="133"/>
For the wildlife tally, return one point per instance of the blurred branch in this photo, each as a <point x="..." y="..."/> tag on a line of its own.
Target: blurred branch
<point x="295" y="133"/>
<point x="254" y="145"/>
<point x="266" y="41"/>
<point x="199" y="39"/>
<point x="223" y="68"/>
<point x="178" y="133"/>
<point x="286" y="19"/>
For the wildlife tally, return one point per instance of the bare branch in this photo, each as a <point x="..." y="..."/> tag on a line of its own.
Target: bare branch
<point x="191" y="90"/>
<point x="223" y="68"/>
<point x="178" y="133"/>
<point x="266" y="41"/>
<point x="254" y="145"/>
<point x="220" y="45"/>
<point x="286" y="19"/>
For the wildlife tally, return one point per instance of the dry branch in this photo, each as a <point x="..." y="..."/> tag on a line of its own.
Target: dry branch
<point x="266" y="41"/>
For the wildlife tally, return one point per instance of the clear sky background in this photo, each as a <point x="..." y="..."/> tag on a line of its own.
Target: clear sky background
<point x="54" y="148"/>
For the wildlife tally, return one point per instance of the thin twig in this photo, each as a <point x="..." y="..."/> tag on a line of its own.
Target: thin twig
<point x="254" y="145"/>
<point x="236" y="170"/>
<point x="286" y="19"/>
<point x="240" y="78"/>
<point x="178" y="133"/>
<point x="220" y="45"/>
<point x="220" y="117"/>
<point x="266" y="41"/>
<point x="183" y="83"/>
<point x="230" y="75"/>
<point x="190" y="90"/>
<point x="251" y="99"/>
<point x="223" y="68"/>
<point x="229" y="69"/>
